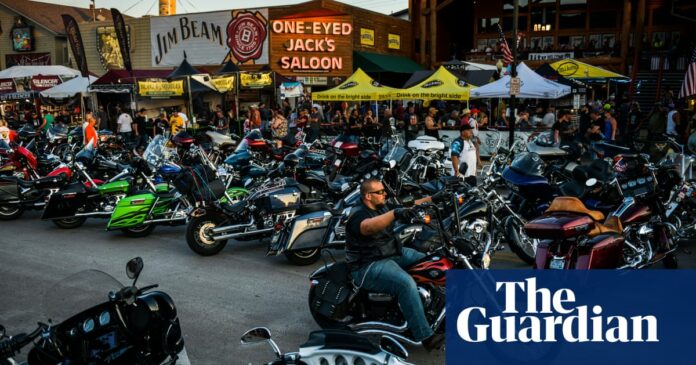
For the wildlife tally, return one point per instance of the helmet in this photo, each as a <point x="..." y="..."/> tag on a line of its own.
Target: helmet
<point x="529" y="163"/>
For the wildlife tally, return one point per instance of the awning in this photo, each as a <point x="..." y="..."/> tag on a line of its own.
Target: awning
<point x="374" y="62"/>
<point x="69" y="88"/>
<point x="573" y="69"/>
<point x="441" y="85"/>
<point x="124" y="77"/>
<point x="358" y="87"/>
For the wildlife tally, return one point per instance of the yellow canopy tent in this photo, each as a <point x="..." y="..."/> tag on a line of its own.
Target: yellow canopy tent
<point x="441" y="85"/>
<point x="358" y="87"/>
<point x="572" y="69"/>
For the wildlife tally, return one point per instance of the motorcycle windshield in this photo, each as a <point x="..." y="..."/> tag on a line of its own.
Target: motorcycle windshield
<point x="157" y="150"/>
<point x="78" y="292"/>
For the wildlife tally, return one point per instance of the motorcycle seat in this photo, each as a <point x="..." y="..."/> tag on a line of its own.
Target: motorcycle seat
<point x="570" y="204"/>
<point x="236" y="208"/>
<point x="611" y="225"/>
<point x="313" y="207"/>
<point x="341" y="339"/>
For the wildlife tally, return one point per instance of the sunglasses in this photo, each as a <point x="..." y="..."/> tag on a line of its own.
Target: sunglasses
<point x="379" y="192"/>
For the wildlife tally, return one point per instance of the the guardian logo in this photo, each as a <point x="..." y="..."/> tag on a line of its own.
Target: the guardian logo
<point x="548" y="316"/>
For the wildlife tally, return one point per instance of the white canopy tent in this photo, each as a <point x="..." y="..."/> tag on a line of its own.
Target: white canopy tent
<point x="68" y="89"/>
<point x="532" y="86"/>
<point x="17" y="72"/>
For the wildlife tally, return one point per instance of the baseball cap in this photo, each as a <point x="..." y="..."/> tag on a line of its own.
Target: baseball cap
<point x="465" y="127"/>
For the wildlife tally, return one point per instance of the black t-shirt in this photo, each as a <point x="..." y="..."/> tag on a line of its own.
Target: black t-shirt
<point x="362" y="250"/>
<point x="562" y="128"/>
<point x="140" y="122"/>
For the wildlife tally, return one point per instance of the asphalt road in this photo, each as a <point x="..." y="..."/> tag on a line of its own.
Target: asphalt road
<point x="218" y="297"/>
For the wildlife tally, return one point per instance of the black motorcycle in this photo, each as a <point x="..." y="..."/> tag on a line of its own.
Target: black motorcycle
<point x="130" y="325"/>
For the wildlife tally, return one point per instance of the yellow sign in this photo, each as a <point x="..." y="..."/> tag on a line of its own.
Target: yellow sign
<point x="160" y="88"/>
<point x="223" y="84"/>
<point x="254" y="80"/>
<point x="394" y="41"/>
<point x="367" y="37"/>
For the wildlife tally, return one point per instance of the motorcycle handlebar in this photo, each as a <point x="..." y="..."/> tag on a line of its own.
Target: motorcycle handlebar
<point x="12" y="345"/>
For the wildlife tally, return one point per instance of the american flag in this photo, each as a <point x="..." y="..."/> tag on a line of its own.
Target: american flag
<point x="689" y="85"/>
<point x="507" y="55"/>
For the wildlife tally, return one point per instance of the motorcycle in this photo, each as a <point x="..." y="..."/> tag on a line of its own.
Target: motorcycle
<point x="336" y="302"/>
<point x="130" y="325"/>
<point x="333" y="347"/>
<point x="137" y="215"/>
<point x="269" y="205"/>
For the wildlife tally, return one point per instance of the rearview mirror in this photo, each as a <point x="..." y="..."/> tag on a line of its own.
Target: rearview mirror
<point x="134" y="267"/>
<point x="254" y="335"/>
<point x="392" y="347"/>
<point x="591" y="182"/>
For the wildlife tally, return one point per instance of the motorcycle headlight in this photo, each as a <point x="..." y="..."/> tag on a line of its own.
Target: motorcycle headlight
<point x="486" y="261"/>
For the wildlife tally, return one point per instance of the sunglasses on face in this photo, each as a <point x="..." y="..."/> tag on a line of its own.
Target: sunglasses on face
<point x="379" y="192"/>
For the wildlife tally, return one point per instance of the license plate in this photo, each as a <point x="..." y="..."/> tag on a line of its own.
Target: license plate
<point x="222" y="171"/>
<point x="337" y="163"/>
<point x="557" y="264"/>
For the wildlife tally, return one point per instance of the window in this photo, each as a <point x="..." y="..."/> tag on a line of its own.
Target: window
<point x="603" y="19"/>
<point x="508" y="6"/>
<point x="573" y="5"/>
<point x="507" y="23"/>
<point x="488" y="25"/>
<point x="572" y="21"/>
<point x="543" y="18"/>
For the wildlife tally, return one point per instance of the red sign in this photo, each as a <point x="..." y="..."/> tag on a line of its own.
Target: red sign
<point x="245" y="36"/>
<point x="7" y="86"/>
<point x="40" y="82"/>
<point x="29" y="59"/>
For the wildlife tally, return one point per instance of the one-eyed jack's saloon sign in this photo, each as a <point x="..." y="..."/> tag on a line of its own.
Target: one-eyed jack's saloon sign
<point x="312" y="45"/>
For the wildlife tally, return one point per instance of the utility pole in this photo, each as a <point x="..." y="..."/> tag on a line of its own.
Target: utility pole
<point x="513" y="72"/>
<point x="94" y="10"/>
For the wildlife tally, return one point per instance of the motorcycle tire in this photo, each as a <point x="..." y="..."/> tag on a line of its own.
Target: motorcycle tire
<point x="10" y="212"/>
<point x="198" y="240"/>
<point x="516" y="237"/>
<point x="304" y="257"/>
<point x="323" y="321"/>
<point x="139" y="231"/>
<point x="69" y="223"/>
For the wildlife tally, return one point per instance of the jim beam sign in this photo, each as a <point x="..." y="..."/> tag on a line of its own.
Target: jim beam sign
<point x="323" y="45"/>
<point x="210" y="38"/>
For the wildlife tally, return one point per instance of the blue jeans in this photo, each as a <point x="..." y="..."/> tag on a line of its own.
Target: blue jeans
<point x="388" y="276"/>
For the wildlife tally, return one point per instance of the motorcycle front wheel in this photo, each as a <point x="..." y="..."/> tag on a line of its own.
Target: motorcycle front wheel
<point x="199" y="236"/>
<point x="10" y="212"/>
<point x="304" y="257"/>
<point x="522" y="245"/>
<point x="69" y="223"/>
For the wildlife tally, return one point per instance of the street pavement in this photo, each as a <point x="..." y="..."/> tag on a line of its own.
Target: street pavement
<point x="218" y="298"/>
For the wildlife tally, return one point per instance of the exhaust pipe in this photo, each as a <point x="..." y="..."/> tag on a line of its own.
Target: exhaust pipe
<point x="93" y="214"/>
<point x="232" y="227"/>
<point x="397" y="336"/>
<point x="165" y="220"/>
<point x="242" y="234"/>
<point x="378" y="326"/>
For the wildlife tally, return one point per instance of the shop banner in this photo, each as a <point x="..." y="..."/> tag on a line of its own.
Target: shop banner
<point x="210" y="38"/>
<point x="75" y="39"/>
<point x="367" y="37"/>
<point x="41" y="82"/>
<point x="122" y="35"/>
<point x="160" y="88"/>
<point x="570" y="317"/>
<point x="7" y="86"/>
<point x="223" y="84"/>
<point x="394" y="41"/>
<point x="255" y="80"/>
<point x="551" y="56"/>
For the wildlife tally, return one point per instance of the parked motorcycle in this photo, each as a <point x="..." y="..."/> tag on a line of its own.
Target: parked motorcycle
<point x="130" y="325"/>
<point x="333" y="347"/>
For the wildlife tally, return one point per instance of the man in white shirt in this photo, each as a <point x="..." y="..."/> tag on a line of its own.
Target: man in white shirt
<point x="550" y="118"/>
<point x="185" y="118"/>
<point x="672" y="123"/>
<point x="124" y="122"/>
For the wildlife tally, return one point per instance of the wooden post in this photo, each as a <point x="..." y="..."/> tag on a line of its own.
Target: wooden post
<point x="433" y="32"/>
<point x="423" y="30"/>
<point x="638" y="44"/>
<point x="625" y="31"/>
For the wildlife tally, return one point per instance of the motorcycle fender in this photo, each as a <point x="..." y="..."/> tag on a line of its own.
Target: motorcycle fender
<point x="320" y="272"/>
<point x="236" y="194"/>
<point x="66" y="202"/>
<point x="131" y="211"/>
<point x="307" y="231"/>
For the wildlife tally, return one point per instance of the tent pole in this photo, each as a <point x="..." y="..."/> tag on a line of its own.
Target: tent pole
<point x="190" y="97"/>
<point x="515" y="23"/>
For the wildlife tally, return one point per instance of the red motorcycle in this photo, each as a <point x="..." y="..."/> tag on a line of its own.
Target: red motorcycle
<point x="18" y="161"/>
<point x="637" y="234"/>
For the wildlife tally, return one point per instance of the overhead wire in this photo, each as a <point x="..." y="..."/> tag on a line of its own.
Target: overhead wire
<point x="132" y="6"/>
<point x="151" y="6"/>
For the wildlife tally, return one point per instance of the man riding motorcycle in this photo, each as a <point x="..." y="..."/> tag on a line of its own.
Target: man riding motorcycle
<point x="377" y="260"/>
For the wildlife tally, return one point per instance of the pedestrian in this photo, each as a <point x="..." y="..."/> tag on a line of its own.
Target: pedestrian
<point x="354" y="123"/>
<point x="89" y="133"/>
<point x="466" y="117"/>
<point x="463" y="149"/>
<point x="563" y="132"/>
<point x="102" y="120"/>
<point x="279" y="128"/>
<point x="47" y="122"/>
<point x="124" y="128"/>
<point x="138" y="126"/>
<point x="610" y="125"/>
<point x="549" y="118"/>
<point x="176" y="124"/>
<point x="657" y="120"/>
<point x="222" y="125"/>
<point x="265" y="115"/>
<point x="34" y="120"/>
<point x="254" y="117"/>
<point x="314" y="125"/>
<point x="431" y="126"/>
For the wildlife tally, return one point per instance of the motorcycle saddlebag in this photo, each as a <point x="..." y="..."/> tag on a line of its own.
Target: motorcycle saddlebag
<point x="332" y="292"/>
<point x="9" y="190"/>
<point x="66" y="202"/>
